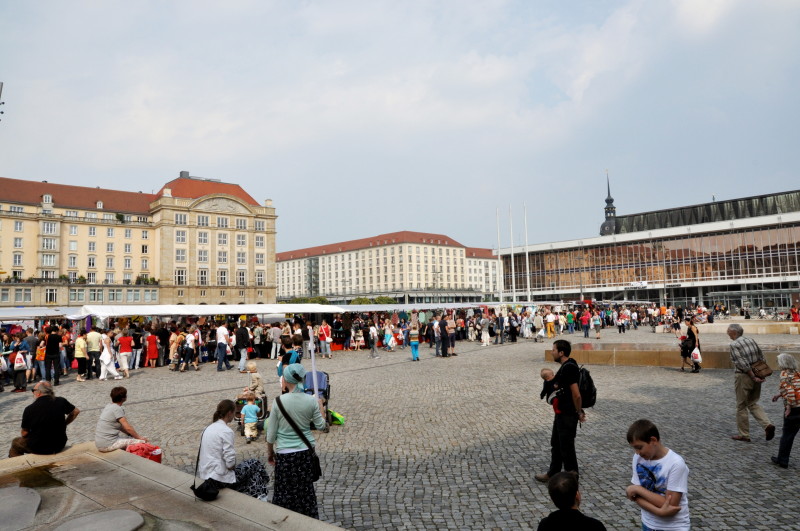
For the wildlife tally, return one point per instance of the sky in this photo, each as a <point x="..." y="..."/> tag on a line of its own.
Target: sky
<point x="359" y="118"/>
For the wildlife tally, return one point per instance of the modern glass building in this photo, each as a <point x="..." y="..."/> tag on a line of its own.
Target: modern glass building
<point x="743" y="253"/>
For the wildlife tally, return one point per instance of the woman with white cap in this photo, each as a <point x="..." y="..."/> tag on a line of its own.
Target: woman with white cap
<point x="286" y="448"/>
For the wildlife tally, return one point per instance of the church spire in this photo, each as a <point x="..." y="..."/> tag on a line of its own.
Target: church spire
<point x="609" y="226"/>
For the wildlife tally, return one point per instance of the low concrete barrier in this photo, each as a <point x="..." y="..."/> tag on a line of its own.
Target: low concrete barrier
<point x="625" y="356"/>
<point x="752" y="327"/>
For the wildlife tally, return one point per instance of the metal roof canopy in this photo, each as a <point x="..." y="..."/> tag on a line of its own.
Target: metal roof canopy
<point x="781" y="291"/>
<point x="30" y="312"/>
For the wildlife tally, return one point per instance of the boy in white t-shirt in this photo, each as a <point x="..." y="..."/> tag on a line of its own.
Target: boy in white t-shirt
<point x="660" y="480"/>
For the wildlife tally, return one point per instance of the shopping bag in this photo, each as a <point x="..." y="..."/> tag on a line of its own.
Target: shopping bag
<point x="696" y="357"/>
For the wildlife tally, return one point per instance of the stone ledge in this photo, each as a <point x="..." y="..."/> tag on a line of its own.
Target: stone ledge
<point x="167" y="496"/>
<point x="714" y="358"/>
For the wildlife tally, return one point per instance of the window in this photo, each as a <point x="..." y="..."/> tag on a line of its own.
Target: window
<point x="72" y="261"/>
<point x="91" y="278"/>
<point x="115" y="295"/>
<point x="73" y="245"/>
<point x="91" y="215"/>
<point x="202" y="277"/>
<point x="48" y="260"/>
<point x="49" y="227"/>
<point x="17" y="260"/>
<point x="110" y="262"/>
<point x="109" y="279"/>
<point x="222" y="257"/>
<point x="127" y="262"/>
<point x="259" y="258"/>
<point x="180" y="255"/>
<point x="180" y="219"/>
<point x="92" y="231"/>
<point x="141" y="219"/>
<point x="144" y="234"/>
<point x="50" y="295"/>
<point x="91" y="262"/>
<point x="202" y="237"/>
<point x="241" y="224"/>
<point x="222" y="277"/>
<point x="133" y="295"/>
<point x="202" y="293"/>
<point x="73" y="230"/>
<point x="92" y="247"/>
<point x="222" y="222"/>
<point x="110" y="232"/>
<point x="17" y="243"/>
<point x="202" y="256"/>
<point x="222" y="238"/>
<point x="202" y="221"/>
<point x="128" y="233"/>
<point x="241" y="277"/>
<point x="108" y="217"/>
<point x="127" y="248"/>
<point x="241" y="240"/>
<point x="241" y="258"/>
<point x="151" y="295"/>
<point x="260" y="241"/>
<point x="110" y="247"/>
<point x="23" y="295"/>
<point x="259" y="278"/>
<point x="72" y="276"/>
<point x="99" y="205"/>
<point x="144" y="249"/>
<point x="145" y="264"/>
<point x="180" y="293"/>
<point x="17" y="226"/>
<point x="180" y="236"/>
<point x="95" y="295"/>
<point x="16" y="209"/>
<point x="259" y="226"/>
<point x="77" y="295"/>
<point x="180" y="277"/>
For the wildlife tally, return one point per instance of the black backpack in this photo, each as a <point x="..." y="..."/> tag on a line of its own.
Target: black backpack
<point x="586" y="387"/>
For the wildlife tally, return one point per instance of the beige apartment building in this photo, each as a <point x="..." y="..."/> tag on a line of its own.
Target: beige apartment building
<point x="194" y="241"/>
<point x="411" y="267"/>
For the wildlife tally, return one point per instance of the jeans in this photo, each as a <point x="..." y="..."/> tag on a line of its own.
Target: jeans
<point x="562" y="444"/>
<point x="242" y="358"/>
<point x="415" y="350"/>
<point x="571" y="328"/>
<point x="791" y="425"/>
<point x="438" y="345"/>
<point x="63" y="357"/>
<point x="222" y="356"/>
<point x="372" y="352"/>
<point x="40" y="364"/>
<point x="585" y="330"/>
<point x="136" y="352"/>
<point x="324" y="348"/>
<point x="55" y="363"/>
<point x="276" y="345"/>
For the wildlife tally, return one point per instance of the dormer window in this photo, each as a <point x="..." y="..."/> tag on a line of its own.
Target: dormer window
<point x="47" y="198"/>
<point x="99" y="205"/>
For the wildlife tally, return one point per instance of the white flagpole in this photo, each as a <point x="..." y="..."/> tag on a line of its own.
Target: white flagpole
<point x="499" y="276"/>
<point x="527" y="262"/>
<point x="513" y="279"/>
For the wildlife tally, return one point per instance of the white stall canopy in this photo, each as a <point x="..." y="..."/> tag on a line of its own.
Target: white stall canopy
<point x="105" y="311"/>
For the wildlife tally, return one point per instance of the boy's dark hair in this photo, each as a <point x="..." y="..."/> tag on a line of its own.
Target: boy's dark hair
<point x="118" y="394"/>
<point x="297" y="341"/>
<point x="563" y="346"/>
<point x="642" y="430"/>
<point x="563" y="488"/>
<point x="286" y="342"/>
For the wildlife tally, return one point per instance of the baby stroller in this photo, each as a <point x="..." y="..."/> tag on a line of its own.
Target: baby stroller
<point x="324" y="392"/>
<point x="263" y="413"/>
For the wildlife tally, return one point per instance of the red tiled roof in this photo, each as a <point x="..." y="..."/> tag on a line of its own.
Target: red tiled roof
<point x="374" y="241"/>
<point x="188" y="187"/>
<point x="477" y="252"/>
<point x="79" y="197"/>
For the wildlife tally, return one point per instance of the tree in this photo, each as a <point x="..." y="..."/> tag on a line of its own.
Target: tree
<point x="385" y="300"/>
<point x="361" y="300"/>
<point x="299" y="300"/>
<point x="318" y="300"/>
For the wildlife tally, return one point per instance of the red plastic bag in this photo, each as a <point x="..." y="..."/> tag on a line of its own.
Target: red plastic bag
<point x="75" y="364"/>
<point x="146" y="450"/>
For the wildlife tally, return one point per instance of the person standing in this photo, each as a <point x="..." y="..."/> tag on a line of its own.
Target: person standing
<point x="93" y="346"/>
<point x="789" y="389"/>
<point x="242" y="345"/>
<point x="152" y="349"/>
<point x="125" y="342"/>
<point x="414" y="342"/>
<point x="373" y="340"/>
<point x="498" y="329"/>
<point x="568" y="410"/>
<point x="324" y="342"/>
<point x="745" y="352"/>
<point x="52" y="355"/>
<point x="223" y="340"/>
<point x="81" y="354"/>
<point x="484" y="330"/>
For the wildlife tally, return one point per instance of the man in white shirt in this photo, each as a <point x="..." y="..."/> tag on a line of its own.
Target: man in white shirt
<point x="373" y="340"/>
<point x="223" y="340"/>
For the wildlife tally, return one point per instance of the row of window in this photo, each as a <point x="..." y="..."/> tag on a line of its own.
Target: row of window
<point x="113" y="295"/>
<point x="222" y="238"/>
<point x="50" y="228"/>
<point x="222" y="222"/>
<point x="181" y="277"/>
<point x="222" y="257"/>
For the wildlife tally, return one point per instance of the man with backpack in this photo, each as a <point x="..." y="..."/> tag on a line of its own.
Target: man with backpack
<point x="568" y="407"/>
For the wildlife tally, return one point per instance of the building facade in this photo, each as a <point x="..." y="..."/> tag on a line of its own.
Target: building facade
<point x="194" y="241"/>
<point x="743" y="253"/>
<point x="411" y="267"/>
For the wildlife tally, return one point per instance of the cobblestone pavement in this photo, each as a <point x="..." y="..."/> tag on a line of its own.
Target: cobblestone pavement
<point x="454" y="443"/>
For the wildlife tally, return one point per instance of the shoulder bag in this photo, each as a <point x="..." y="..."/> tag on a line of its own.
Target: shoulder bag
<point x="207" y="491"/>
<point x="316" y="469"/>
<point x="761" y="369"/>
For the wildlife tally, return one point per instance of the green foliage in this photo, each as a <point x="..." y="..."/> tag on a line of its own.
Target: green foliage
<point x="318" y="300"/>
<point x="385" y="300"/>
<point x="361" y="300"/>
<point x="299" y="300"/>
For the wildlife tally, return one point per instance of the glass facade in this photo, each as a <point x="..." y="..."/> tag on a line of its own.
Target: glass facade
<point x="767" y="254"/>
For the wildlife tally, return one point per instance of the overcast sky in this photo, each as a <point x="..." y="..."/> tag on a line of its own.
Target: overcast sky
<point x="359" y="118"/>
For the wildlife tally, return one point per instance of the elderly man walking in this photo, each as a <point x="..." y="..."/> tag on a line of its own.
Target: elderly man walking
<point x="745" y="352"/>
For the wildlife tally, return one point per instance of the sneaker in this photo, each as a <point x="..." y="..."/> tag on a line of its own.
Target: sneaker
<point x="118" y="377"/>
<point x="248" y="440"/>
<point x="544" y="478"/>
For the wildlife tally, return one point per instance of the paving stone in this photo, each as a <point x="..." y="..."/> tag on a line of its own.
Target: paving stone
<point x="118" y="520"/>
<point x="18" y="506"/>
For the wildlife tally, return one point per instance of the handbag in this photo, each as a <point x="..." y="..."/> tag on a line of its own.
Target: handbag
<point x="40" y="353"/>
<point x="696" y="357"/>
<point x="208" y="490"/>
<point x="760" y="369"/>
<point x="316" y="469"/>
<point x="19" y="363"/>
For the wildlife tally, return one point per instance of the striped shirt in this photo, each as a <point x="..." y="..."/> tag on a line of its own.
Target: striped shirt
<point x="745" y="352"/>
<point x="789" y="388"/>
